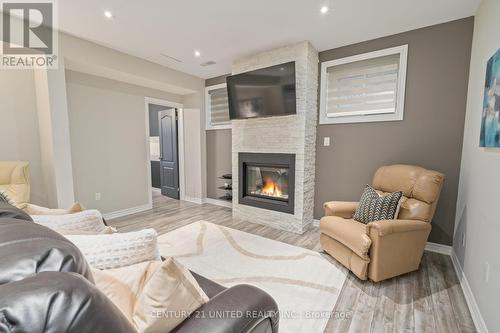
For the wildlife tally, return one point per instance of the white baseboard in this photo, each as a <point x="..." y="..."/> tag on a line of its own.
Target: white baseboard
<point x="438" y="248"/>
<point x="223" y="203"/>
<point x="156" y="190"/>
<point x="195" y="200"/>
<point x="469" y="296"/>
<point x="128" y="211"/>
<point x="315" y="223"/>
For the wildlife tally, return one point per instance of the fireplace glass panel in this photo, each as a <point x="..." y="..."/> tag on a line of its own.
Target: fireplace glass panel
<point x="268" y="182"/>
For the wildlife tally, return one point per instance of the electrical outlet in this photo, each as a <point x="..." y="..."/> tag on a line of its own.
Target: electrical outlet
<point x="98" y="196"/>
<point x="486" y="271"/>
<point x="326" y="141"/>
<point x="463" y="239"/>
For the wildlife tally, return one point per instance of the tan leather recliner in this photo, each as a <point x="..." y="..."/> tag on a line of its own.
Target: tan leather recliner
<point x="15" y="180"/>
<point x="383" y="249"/>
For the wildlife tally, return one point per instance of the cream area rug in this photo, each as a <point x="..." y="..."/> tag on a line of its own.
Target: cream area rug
<point x="304" y="284"/>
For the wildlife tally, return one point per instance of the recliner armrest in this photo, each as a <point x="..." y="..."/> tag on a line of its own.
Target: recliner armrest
<point x="387" y="227"/>
<point x="343" y="209"/>
<point x="238" y="309"/>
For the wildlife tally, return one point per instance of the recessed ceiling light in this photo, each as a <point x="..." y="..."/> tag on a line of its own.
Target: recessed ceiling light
<point x="197" y="53"/>
<point x="324" y="10"/>
<point x="108" y="14"/>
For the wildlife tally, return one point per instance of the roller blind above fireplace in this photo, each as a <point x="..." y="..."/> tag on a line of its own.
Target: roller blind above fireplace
<point x="267" y="180"/>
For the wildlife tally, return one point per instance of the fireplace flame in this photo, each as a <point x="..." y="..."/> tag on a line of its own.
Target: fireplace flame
<point x="271" y="188"/>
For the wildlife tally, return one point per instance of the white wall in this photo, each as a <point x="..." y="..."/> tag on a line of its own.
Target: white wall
<point x="19" y="135"/>
<point x="88" y="57"/>
<point x="99" y="61"/>
<point x="108" y="141"/>
<point x="195" y="145"/>
<point x="47" y="124"/>
<point x="55" y="145"/>
<point x="478" y="209"/>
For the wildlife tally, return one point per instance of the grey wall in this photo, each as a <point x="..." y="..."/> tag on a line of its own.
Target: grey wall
<point x="216" y="80"/>
<point x="477" y="218"/>
<point x="154" y="127"/>
<point x="218" y="152"/>
<point x="218" y="160"/>
<point x="430" y="134"/>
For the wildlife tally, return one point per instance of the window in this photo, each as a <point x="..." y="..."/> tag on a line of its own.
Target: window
<point x="364" y="88"/>
<point x="217" y="107"/>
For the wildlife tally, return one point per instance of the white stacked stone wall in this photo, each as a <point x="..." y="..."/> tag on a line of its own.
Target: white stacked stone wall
<point x="292" y="134"/>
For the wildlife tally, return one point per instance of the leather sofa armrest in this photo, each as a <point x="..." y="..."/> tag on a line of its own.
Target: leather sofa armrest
<point x="9" y="211"/>
<point x="238" y="309"/>
<point x="58" y="302"/>
<point x="387" y="227"/>
<point x="343" y="209"/>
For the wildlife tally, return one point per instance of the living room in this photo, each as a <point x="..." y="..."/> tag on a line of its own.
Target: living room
<point x="311" y="173"/>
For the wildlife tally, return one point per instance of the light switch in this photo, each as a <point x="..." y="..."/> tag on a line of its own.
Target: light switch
<point x="326" y="141"/>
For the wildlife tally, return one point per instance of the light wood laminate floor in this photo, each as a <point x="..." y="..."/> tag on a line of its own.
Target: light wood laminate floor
<point x="429" y="300"/>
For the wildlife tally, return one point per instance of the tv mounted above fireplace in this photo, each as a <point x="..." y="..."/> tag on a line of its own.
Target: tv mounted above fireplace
<point x="267" y="181"/>
<point x="264" y="92"/>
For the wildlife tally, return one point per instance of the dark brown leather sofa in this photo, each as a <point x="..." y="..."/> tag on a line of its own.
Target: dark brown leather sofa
<point x="46" y="286"/>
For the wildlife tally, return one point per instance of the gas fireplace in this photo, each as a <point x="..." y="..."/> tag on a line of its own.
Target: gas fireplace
<point x="267" y="181"/>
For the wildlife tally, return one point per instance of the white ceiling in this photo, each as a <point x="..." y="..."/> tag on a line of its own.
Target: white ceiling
<point x="224" y="30"/>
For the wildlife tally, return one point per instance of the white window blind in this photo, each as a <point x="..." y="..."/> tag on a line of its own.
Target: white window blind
<point x="363" y="86"/>
<point x="217" y="107"/>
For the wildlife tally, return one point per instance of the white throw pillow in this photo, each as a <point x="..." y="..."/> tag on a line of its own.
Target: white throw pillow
<point x="106" y="231"/>
<point x="153" y="296"/>
<point x="88" y="220"/>
<point x="118" y="249"/>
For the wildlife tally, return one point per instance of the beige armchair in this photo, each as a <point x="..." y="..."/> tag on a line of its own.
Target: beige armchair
<point x="15" y="180"/>
<point x="383" y="249"/>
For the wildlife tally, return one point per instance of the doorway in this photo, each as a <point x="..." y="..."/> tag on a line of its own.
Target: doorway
<point x="169" y="153"/>
<point x="165" y="144"/>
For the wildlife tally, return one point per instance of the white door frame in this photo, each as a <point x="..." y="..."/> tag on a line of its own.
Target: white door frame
<point x="180" y="143"/>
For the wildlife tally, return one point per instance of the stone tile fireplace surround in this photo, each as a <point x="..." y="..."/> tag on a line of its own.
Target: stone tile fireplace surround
<point x="267" y="181"/>
<point x="292" y="134"/>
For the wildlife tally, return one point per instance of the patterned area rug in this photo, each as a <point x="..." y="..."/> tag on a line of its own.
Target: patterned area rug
<point x="304" y="284"/>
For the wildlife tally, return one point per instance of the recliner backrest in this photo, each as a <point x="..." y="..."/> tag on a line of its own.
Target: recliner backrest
<point x="421" y="189"/>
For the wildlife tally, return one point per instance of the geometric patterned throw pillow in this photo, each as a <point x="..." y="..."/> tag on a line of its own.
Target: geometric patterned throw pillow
<point x="373" y="207"/>
<point x="4" y="197"/>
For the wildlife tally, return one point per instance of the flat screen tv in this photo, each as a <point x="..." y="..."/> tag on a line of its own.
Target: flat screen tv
<point x="264" y="92"/>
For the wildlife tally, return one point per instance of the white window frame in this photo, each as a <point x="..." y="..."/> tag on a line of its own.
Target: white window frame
<point x="366" y="116"/>
<point x="208" y="113"/>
